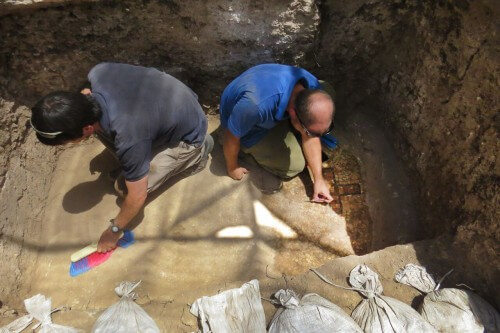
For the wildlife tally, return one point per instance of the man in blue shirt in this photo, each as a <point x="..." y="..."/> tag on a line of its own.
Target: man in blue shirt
<point x="151" y="121"/>
<point x="260" y="111"/>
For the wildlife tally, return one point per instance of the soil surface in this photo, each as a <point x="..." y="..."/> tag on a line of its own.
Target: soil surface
<point x="203" y="231"/>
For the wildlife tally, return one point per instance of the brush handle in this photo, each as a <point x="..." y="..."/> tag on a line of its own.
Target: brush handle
<point x="80" y="254"/>
<point x="125" y="241"/>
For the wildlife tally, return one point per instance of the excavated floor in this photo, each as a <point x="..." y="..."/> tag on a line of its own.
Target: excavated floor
<point x="207" y="230"/>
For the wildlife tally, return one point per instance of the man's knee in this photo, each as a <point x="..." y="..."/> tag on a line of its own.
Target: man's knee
<point x="297" y="165"/>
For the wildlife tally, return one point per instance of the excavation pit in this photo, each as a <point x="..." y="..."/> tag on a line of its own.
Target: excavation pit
<point x="415" y="177"/>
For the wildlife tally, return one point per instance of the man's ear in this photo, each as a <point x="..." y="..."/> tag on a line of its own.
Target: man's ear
<point x="88" y="130"/>
<point x="294" y="120"/>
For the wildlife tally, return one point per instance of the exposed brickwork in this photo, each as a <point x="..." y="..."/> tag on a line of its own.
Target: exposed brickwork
<point x="343" y="173"/>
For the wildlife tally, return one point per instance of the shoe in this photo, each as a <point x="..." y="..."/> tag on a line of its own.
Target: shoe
<point x="120" y="186"/>
<point x="219" y="134"/>
<point x="265" y="181"/>
<point x="114" y="174"/>
<point x="208" y="147"/>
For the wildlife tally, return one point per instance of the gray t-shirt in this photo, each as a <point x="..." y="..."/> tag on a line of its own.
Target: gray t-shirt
<point x="144" y="108"/>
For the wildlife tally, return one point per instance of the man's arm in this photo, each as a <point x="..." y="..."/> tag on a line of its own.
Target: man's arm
<point x="312" y="153"/>
<point x="231" y="148"/>
<point x="134" y="200"/>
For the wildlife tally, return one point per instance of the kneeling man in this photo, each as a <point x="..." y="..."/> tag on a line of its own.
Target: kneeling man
<point x="264" y="110"/>
<point x="150" y="120"/>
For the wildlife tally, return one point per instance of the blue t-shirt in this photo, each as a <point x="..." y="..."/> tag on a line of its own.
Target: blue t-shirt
<point x="144" y="108"/>
<point x="256" y="101"/>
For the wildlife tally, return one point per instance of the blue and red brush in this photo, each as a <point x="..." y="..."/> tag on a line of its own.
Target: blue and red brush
<point x="329" y="140"/>
<point x="95" y="258"/>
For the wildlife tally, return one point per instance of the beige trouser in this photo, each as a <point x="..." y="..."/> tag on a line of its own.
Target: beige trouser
<point x="173" y="160"/>
<point x="279" y="151"/>
<point x="168" y="161"/>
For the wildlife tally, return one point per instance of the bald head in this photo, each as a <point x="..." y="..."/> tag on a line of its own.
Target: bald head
<point x="316" y="109"/>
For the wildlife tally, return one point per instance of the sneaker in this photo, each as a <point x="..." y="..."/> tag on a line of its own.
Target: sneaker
<point x="265" y="181"/>
<point x="209" y="146"/>
<point x="114" y="174"/>
<point x="219" y="133"/>
<point x="120" y="186"/>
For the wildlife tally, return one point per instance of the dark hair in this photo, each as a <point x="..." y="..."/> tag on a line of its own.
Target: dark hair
<point x="303" y="105"/>
<point x="65" y="112"/>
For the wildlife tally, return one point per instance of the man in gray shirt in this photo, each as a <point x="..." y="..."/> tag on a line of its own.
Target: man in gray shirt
<point x="150" y="120"/>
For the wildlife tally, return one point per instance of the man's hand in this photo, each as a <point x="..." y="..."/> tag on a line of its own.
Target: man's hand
<point x="237" y="173"/>
<point x="231" y="148"/>
<point x="133" y="202"/>
<point x="108" y="241"/>
<point x="321" y="192"/>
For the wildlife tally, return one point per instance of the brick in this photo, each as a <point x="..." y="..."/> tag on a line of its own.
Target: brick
<point x="351" y="189"/>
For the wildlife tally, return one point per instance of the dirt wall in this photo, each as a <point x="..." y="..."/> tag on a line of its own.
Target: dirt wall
<point x="25" y="174"/>
<point x="429" y="71"/>
<point x="203" y="43"/>
<point x="20" y="6"/>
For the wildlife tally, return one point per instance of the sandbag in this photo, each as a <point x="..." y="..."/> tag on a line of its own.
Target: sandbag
<point x="235" y="310"/>
<point x="383" y="314"/>
<point x="39" y="308"/>
<point x="450" y="309"/>
<point x="17" y="325"/>
<point x="125" y="316"/>
<point x="311" y="314"/>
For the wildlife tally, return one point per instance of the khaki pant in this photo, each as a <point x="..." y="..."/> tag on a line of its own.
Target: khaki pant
<point x="279" y="151"/>
<point x="168" y="161"/>
<point x="171" y="161"/>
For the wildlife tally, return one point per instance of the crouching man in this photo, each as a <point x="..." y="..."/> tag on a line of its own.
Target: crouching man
<point x="150" y="120"/>
<point x="263" y="111"/>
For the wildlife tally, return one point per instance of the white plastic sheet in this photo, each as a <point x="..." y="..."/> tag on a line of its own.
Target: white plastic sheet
<point x="311" y="314"/>
<point x="449" y="309"/>
<point x="383" y="314"/>
<point x="125" y="316"/>
<point x="235" y="310"/>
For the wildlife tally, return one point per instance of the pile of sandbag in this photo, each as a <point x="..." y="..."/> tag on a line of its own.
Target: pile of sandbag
<point x="450" y="309"/>
<point x="383" y="314"/>
<point x="240" y="310"/>
<point x="445" y="310"/>
<point x="122" y="317"/>
<point x="378" y="313"/>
